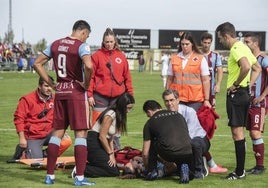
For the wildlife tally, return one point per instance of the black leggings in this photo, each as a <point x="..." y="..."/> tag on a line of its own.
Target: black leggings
<point x="97" y="157"/>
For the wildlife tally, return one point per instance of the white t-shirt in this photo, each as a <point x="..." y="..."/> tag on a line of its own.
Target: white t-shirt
<point x="204" y="66"/>
<point x="112" y="129"/>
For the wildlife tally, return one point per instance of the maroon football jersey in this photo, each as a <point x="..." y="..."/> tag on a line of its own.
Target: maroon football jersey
<point x="66" y="54"/>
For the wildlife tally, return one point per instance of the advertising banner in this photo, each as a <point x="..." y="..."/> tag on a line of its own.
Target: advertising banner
<point x="169" y="39"/>
<point x="133" y="54"/>
<point x="133" y="38"/>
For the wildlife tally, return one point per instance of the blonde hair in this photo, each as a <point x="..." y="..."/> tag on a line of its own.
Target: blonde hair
<point x="109" y="32"/>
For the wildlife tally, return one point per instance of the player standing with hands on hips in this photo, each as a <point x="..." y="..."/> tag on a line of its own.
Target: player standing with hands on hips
<point x="73" y="66"/>
<point x="243" y="69"/>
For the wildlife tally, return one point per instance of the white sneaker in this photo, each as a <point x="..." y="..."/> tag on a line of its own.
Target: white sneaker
<point x="205" y="171"/>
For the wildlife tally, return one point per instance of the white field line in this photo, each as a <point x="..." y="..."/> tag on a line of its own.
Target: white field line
<point x="140" y="133"/>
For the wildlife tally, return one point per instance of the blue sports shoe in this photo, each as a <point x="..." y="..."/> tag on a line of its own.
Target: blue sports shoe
<point x="184" y="174"/>
<point x="152" y="175"/>
<point x="83" y="182"/>
<point x="160" y="170"/>
<point x="48" y="180"/>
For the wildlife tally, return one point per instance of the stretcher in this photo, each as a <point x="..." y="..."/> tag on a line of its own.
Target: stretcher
<point x="62" y="162"/>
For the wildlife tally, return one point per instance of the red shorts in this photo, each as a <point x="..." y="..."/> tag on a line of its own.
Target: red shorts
<point x="256" y="119"/>
<point x="71" y="112"/>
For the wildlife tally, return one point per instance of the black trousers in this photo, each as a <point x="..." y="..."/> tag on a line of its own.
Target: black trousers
<point x="199" y="147"/>
<point x="169" y="156"/>
<point x="97" y="157"/>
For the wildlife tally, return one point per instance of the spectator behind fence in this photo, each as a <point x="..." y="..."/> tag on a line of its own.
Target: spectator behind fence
<point x="141" y="63"/>
<point x="20" y="64"/>
<point x="33" y="120"/>
<point x="31" y="62"/>
<point x="165" y="59"/>
<point x="2" y="50"/>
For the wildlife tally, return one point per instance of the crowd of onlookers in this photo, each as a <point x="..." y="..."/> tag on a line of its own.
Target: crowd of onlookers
<point x="16" y="54"/>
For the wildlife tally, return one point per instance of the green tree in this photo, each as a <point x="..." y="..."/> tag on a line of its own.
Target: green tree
<point x="9" y="37"/>
<point x="40" y="46"/>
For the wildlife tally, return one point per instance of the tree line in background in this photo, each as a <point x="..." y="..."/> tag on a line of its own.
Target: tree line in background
<point x="9" y="39"/>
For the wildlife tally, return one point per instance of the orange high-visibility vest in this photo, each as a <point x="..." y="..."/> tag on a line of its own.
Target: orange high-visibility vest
<point x="188" y="81"/>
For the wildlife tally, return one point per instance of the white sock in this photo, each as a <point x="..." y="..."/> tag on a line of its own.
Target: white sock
<point x="164" y="82"/>
<point x="80" y="178"/>
<point x="52" y="176"/>
<point x="212" y="163"/>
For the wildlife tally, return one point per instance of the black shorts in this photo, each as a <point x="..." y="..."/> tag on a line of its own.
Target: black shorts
<point x="237" y="105"/>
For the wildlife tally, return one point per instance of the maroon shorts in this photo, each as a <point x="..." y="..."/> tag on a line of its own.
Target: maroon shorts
<point x="256" y="119"/>
<point x="71" y="112"/>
